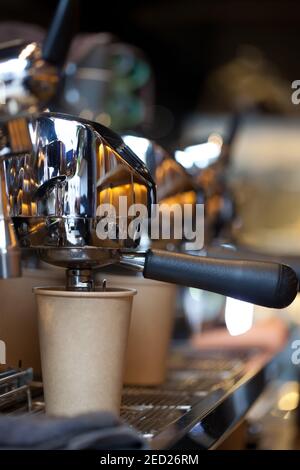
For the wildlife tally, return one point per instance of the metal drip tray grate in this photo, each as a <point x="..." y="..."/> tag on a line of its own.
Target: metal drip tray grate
<point x="15" y="388"/>
<point x="151" y="421"/>
<point x="151" y="409"/>
<point x="208" y="363"/>
<point x="195" y="384"/>
<point x="148" y="399"/>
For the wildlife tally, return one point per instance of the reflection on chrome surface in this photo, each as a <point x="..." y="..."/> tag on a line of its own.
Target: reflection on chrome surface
<point x="54" y="190"/>
<point x="174" y="184"/>
<point x="175" y="187"/>
<point x="27" y="82"/>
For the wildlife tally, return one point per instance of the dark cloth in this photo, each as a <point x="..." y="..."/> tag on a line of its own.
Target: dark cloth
<point x="95" y="431"/>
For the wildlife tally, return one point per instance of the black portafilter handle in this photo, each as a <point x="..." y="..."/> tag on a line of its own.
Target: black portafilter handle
<point x="240" y="252"/>
<point x="60" y="34"/>
<point x="268" y="284"/>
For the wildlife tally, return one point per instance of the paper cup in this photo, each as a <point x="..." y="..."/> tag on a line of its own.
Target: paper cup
<point x="151" y="327"/>
<point x="83" y="339"/>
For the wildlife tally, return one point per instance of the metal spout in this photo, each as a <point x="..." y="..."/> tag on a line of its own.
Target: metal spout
<point x="80" y="280"/>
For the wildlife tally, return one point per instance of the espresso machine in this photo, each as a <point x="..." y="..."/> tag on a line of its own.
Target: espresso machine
<point x="57" y="171"/>
<point x="57" y="216"/>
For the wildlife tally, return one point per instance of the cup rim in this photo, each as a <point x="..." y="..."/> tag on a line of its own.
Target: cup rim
<point x="110" y="292"/>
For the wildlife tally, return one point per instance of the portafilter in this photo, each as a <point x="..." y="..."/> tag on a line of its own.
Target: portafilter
<point x="59" y="170"/>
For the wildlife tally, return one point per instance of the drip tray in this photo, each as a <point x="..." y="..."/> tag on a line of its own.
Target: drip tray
<point x="15" y="388"/>
<point x="198" y="387"/>
<point x="152" y="409"/>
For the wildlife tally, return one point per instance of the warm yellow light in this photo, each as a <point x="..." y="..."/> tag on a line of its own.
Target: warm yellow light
<point x="25" y="208"/>
<point x="288" y="396"/>
<point x="188" y="197"/>
<point x="289" y="401"/>
<point x="33" y="208"/>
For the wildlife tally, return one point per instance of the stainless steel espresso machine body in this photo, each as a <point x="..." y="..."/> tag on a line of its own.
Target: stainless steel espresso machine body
<point x="29" y="79"/>
<point x="53" y="193"/>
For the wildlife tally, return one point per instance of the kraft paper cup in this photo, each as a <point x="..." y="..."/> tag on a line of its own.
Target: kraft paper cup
<point x="83" y="339"/>
<point x="151" y="327"/>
